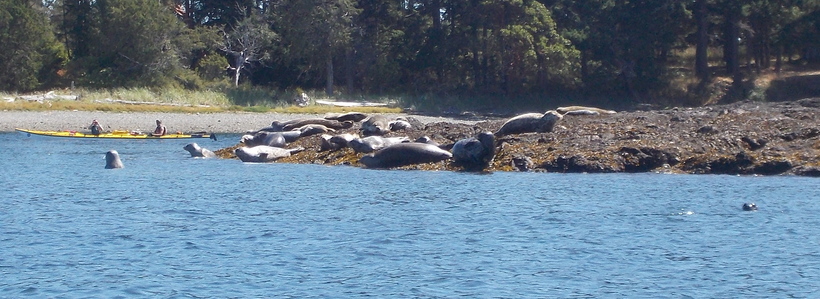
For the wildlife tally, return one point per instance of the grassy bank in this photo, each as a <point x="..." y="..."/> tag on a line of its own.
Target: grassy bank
<point x="172" y="101"/>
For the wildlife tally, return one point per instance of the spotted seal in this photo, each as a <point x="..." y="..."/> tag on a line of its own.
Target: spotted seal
<point x="268" y="138"/>
<point x="310" y="130"/>
<point x="373" y="143"/>
<point x="198" y="152"/>
<point x="583" y="110"/>
<point x="529" y="123"/>
<point x="399" y="125"/>
<point x="112" y="160"/>
<point x="351" y="116"/>
<point x="331" y="142"/>
<point x="375" y="125"/>
<point x="264" y="153"/>
<point x="332" y="124"/>
<point x="474" y="153"/>
<point x="403" y="154"/>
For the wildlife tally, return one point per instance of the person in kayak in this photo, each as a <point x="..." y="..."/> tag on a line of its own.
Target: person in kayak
<point x="160" y="130"/>
<point x="95" y="127"/>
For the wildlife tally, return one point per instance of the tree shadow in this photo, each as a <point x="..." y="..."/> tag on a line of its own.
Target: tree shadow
<point x="793" y="88"/>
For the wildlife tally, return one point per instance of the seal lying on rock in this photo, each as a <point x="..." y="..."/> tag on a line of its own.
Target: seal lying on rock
<point x="426" y="139"/>
<point x="375" y="125"/>
<point x="198" y="152"/>
<point x="112" y="160"/>
<point x="330" y="142"/>
<point x="310" y="130"/>
<point x="399" y="125"/>
<point x="350" y="116"/>
<point x="529" y="123"/>
<point x="332" y="124"/>
<point x="264" y="153"/>
<point x="474" y="153"/>
<point x="403" y="154"/>
<point x="278" y="126"/>
<point x="583" y="110"/>
<point x="276" y="139"/>
<point x="374" y="143"/>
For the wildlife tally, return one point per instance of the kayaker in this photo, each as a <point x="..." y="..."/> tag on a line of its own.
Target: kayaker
<point x="95" y="127"/>
<point x="160" y="130"/>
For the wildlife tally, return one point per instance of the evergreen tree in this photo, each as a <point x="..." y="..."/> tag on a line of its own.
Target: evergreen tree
<point x="314" y="31"/>
<point x="29" y="53"/>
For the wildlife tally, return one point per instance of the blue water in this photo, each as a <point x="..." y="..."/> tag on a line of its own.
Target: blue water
<point x="170" y="226"/>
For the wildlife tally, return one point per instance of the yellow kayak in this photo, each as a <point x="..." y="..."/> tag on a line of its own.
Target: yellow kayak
<point x="116" y="134"/>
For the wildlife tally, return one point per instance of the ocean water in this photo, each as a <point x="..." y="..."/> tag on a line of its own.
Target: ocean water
<point x="171" y="226"/>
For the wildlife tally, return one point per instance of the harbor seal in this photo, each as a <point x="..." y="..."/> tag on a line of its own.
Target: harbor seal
<point x="351" y="116"/>
<point x="529" y="123"/>
<point x="373" y="143"/>
<point x="426" y="139"/>
<point x="375" y="125"/>
<point x="403" y="154"/>
<point x="112" y="160"/>
<point x="198" y="152"/>
<point x="264" y="153"/>
<point x="268" y="138"/>
<point x="310" y="130"/>
<point x="583" y="110"/>
<point x="749" y="206"/>
<point x="278" y="126"/>
<point x="331" y="142"/>
<point x="474" y="153"/>
<point x="399" y="125"/>
<point x="333" y="124"/>
<point x="291" y="136"/>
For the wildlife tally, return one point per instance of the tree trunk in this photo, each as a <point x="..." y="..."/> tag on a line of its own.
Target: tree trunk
<point x="702" y="50"/>
<point x="732" y="46"/>
<point x="349" y="70"/>
<point x="329" y="83"/>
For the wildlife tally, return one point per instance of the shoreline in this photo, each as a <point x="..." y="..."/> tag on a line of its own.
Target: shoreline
<point x="744" y="138"/>
<point x="219" y="123"/>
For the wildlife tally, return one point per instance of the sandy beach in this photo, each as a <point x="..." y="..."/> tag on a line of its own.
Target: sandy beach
<point x="233" y="122"/>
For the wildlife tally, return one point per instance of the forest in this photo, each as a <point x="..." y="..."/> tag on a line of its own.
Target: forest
<point x="471" y="53"/>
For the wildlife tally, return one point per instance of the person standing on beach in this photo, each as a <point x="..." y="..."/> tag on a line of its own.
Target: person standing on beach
<point x="95" y="127"/>
<point x="160" y="130"/>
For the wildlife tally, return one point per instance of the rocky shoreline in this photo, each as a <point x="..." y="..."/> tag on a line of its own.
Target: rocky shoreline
<point x="745" y="138"/>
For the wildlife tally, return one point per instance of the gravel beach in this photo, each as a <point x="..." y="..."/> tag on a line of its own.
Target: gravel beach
<point x="228" y="122"/>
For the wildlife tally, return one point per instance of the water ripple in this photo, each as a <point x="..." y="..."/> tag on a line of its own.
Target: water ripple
<point x="170" y="226"/>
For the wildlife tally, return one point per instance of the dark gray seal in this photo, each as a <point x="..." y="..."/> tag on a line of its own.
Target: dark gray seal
<point x="332" y="143"/>
<point x="310" y="130"/>
<point x="264" y="153"/>
<point x="474" y="153"/>
<point x="399" y="125"/>
<point x="529" y="123"/>
<point x="349" y="116"/>
<point x="426" y="139"/>
<point x="403" y="154"/>
<point x="291" y="136"/>
<point x="198" y="152"/>
<point x="268" y="138"/>
<point x="373" y="143"/>
<point x="749" y="206"/>
<point x="112" y="160"/>
<point x="375" y="125"/>
<point x="332" y="124"/>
